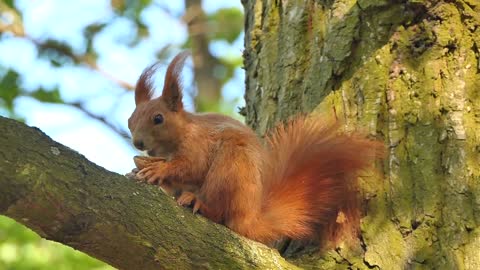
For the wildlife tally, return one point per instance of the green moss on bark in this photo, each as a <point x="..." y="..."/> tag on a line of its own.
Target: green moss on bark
<point x="408" y="73"/>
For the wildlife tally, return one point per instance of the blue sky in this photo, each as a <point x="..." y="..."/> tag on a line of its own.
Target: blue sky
<point x="65" y="20"/>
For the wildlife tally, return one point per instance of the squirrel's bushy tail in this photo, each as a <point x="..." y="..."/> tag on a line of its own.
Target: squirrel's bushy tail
<point x="309" y="180"/>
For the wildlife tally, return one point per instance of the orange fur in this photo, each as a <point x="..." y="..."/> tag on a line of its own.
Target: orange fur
<point x="294" y="186"/>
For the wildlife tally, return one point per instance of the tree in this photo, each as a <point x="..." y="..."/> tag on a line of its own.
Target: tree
<point x="405" y="71"/>
<point x="409" y="72"/>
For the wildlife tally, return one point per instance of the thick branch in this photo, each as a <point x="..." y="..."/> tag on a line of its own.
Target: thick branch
<point x="64" y="197"/>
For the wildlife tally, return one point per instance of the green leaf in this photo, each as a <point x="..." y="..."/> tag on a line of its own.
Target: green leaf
<point x="93" y="29"/>
<point x="9" y="3"/>
<point x="58" y="53"/>
<point x="89" y="33"/>
<point x="52" y="96"/>
<point x="9" y="89"/>
<point x="118" y="5"/>
<point x="143" y="30"/>
<point x="57" y="46"/>
<point x="130" y="8"/>
<point x="227" y="24"/>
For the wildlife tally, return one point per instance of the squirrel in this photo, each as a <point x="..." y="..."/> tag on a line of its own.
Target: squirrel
<point x="299" y="184"/>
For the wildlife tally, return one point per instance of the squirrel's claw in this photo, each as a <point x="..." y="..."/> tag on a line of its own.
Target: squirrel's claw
<point x="187" y="198"/>
<point x="196" y="206"/>
<point x="151" y="175"/>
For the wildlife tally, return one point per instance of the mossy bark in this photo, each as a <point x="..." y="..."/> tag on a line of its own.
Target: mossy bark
<point x="408" y="72"/>
<point x="65" y="198"/>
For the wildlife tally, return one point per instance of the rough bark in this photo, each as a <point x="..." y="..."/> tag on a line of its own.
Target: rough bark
<point x="65" y="198"/>
<point x="406" y="71"/>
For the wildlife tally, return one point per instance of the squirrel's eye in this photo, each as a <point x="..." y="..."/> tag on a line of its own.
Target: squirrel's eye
<point x="158" y="119"/>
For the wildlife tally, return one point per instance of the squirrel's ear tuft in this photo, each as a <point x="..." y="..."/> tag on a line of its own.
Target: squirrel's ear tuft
<point x="144" y="86"/>
<point x="172" y="88"/>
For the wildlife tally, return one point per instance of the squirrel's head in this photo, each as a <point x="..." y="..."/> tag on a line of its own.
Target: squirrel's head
<point x="156" y="124"/>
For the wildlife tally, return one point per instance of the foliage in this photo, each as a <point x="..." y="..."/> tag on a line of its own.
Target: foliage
<point x="228" y="24"/>
<point x="9" y="90"/>
<point x="225" y="24"/>
<point x="21" y="248"/>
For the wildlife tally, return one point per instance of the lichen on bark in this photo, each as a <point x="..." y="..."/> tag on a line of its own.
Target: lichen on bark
<point x="405" y="72"/>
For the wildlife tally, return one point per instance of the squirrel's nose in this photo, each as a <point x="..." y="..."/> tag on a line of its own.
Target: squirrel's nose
<point x="139" y="145"/>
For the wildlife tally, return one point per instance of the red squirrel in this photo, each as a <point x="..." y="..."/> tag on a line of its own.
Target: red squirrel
<point x="296" y="185"/>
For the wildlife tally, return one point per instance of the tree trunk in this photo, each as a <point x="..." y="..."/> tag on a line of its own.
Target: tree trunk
<point x="204" y="64"/>
<point x="409" y="73"/>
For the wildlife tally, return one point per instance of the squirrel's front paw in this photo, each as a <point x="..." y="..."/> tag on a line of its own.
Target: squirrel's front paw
<point x="187" y="198"/>
<point x="153" y="175"/>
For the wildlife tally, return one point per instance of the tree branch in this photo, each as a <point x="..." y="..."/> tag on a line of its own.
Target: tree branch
<point x="102" y="119"/>
<point x="66" y="198"/>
